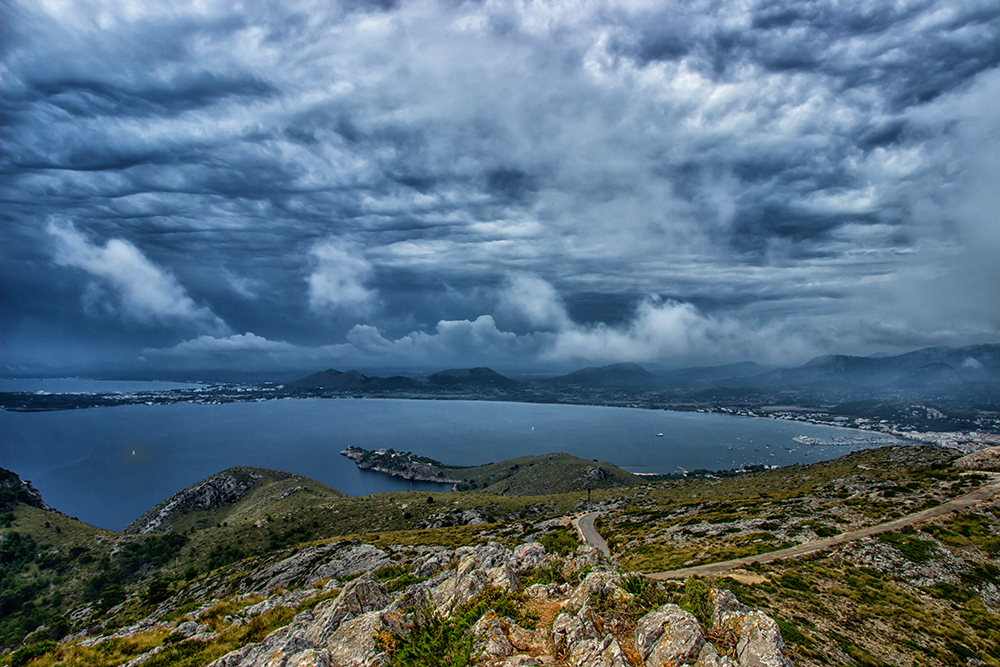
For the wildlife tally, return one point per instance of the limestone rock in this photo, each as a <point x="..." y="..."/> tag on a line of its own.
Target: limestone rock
<point x="668" y="636"/>
<point x="309" y="658"/>
<point x="528" y="556"/>
<point x="487" y="556"/>
<point x="503" y="577"/>
<point x="335" y="560"/>
<point x="723" y="601"/>
<point x="467" y="582"/>
<point x="273" y="651"/>
<point x="359" y="558"/>
<point x="429" y="564"/>
<point x="531" y="641"/>
<point x="604" y="652"/>
<point x="760" y="643"/>
<point x="597" y="583"/>
<point x="354" y="643"/>
<point x="364" y="594"/>
<point x="569" y="631"/>
<point x="547" y="591"/>
<point x="710" y="657"/>
<point x="495" y="639"/>
<point x="758" y="638"/>
<point x="489" y="639"/>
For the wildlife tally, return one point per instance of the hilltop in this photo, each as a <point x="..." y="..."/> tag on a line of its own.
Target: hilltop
<point x="235" y="494"/>
<point x="412" y="578"/>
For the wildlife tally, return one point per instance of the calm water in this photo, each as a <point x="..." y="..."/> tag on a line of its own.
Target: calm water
<point x="88" y="386"/>
<point x="109" y="465"/>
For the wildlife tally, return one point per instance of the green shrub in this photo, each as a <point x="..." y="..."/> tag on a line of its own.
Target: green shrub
<point x="559" y="542"/>
<point x="445" y="642"/>
<point x="158" y="590"/>
<point x="26" y="654"/>
<point x="912" y="548"/>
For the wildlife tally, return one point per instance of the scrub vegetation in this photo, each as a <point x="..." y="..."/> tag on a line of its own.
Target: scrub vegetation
<point x="926" y="594"/>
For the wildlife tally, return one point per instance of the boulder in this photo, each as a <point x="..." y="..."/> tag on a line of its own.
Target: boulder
<point x="468" y="581"/>
<point x="760" y="643"/>
<point x="503" y="577"/>
<point x="603" y="652"/>
<point x="364" y="594"/>
<point x="668" y="636"/>
<point x="355" y="644"/>
<point x="529" y="556"/>
<point x="487" y="556"/>
<point x="489" y="640"/>
<point x="273" y="651"/>
<point x="597" y="583"/>
<point x="758" y="638"/>
<point x="546" y="591"/>
<point x="351" y="561"/>
<point x="568" y="630"/>
<point x="723" y="601"/>
<point x="430" y="564"/>
<point x="530" y="641"/>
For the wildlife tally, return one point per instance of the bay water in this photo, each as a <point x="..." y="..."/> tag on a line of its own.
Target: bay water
<point x="107" y="466"/>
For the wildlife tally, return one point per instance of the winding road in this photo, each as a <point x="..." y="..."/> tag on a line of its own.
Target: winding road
<point x="585" y="524"/>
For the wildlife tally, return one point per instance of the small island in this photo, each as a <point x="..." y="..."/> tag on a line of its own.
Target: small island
<point x="399" y="464"/>
<point x="523" y="476"/>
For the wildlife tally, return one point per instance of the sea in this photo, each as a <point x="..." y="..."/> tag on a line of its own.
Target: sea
<point x="108" y="465"/>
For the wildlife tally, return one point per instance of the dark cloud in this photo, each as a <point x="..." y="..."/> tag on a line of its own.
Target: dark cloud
<point x="436" y="183"/>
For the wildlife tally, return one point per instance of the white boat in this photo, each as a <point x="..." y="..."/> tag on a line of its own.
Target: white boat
<point x="659" y="435"/>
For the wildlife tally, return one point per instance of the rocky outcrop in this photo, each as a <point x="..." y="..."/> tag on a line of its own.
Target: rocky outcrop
<point x="15" y="490"/>
<point x="363" y="595"/>
<point x="227" y="486"/>
<point x="669" y="636"/>
<point x="987" y="458"/>
<point x="365" y="623"/>
<point x="757" y="636"/>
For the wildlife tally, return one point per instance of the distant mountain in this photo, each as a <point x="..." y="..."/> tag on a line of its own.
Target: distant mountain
<point x="703" y="375"/>
<point x="470" y="377"/>
<point x="976" y="363"/>
<point x="454" y="378"/>
<point x="334" y="379"/>
<point x="931" y="375"/>
<point x="615" y="375"/>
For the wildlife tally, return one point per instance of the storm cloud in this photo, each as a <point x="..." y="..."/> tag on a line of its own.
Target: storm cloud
<point x="517" y="184"/>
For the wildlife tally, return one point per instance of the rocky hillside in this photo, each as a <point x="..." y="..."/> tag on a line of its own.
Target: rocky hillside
<point x="475" y="578"/>
<point x="217" y="497"/>
<point x="355" y="604"/>
<point x="14" y="490"/>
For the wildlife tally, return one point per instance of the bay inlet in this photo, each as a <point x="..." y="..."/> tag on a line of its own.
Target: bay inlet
<point x="107" y="466"/>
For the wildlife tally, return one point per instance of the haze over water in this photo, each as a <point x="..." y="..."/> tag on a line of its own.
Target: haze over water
<point x="107" y="466"/>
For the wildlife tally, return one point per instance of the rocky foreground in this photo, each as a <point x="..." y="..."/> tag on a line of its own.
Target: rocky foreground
<point x="596" y="619"/>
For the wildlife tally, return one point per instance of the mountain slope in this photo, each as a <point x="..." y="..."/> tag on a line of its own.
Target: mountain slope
<point x="615" y="375"/>
<point x="234" y="494"/>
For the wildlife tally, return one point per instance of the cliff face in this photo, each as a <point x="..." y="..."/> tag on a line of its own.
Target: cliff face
<point x="15" y="490"/>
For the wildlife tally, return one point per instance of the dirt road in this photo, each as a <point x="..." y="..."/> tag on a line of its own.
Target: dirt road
<point x="977" y="496"/>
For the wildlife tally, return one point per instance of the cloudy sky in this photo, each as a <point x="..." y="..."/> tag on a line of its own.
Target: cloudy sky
<point x="421" y="184"/>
